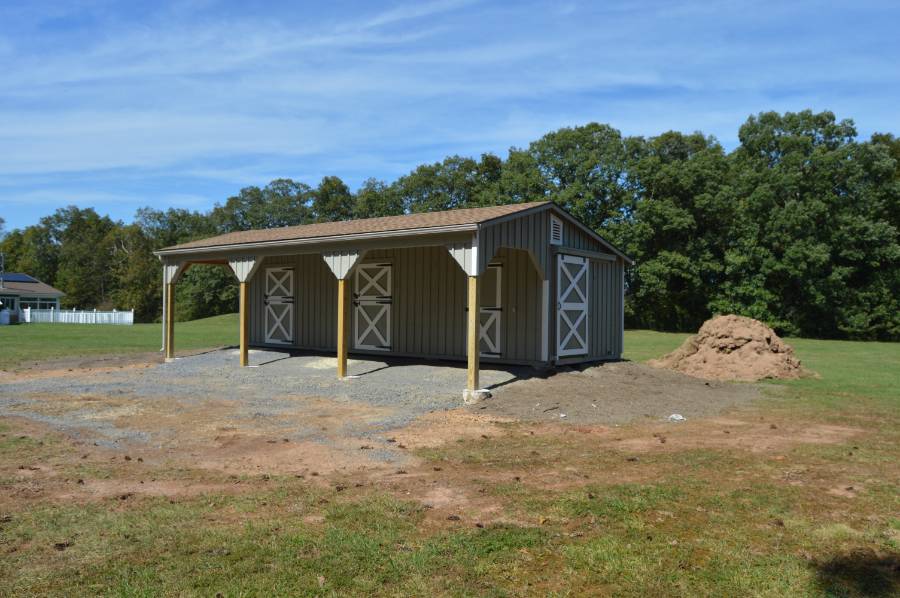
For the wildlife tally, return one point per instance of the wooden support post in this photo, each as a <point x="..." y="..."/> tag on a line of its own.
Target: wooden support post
<point x="170" y="320"/>
<point x="342" y="328"/>
<point x="472" y="340"/>
<point x="245" y="323"/>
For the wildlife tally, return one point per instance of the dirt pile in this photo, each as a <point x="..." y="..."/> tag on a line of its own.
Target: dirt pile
<point x="734" y="348"/>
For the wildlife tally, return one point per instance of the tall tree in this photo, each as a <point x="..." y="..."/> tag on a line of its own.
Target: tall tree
<point x="282" y="202"/>
<point x="332" y="200"/>
<point x="892" y="146"/>
<point x="582" y="169"/>
<point x="375" y="199"/>
<point x="813" y="247"/>
<point x="678" y="213"/>
<point x="136" y="271"/>
<point x="85" y="255"/>
<point x="173" y="226"/>
<point x="456" y="182"/>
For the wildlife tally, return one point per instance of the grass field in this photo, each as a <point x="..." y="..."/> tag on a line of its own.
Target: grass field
<point x="34" y="342"/>
<point x="803" y="519"/>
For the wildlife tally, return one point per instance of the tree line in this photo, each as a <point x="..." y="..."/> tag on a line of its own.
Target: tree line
<point x="798" y="226"/>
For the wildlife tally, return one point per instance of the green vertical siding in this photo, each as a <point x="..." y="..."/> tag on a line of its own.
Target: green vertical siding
<point x="428" y="316"/>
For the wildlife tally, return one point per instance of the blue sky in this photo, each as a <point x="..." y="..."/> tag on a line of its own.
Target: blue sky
<point x="119" y="105"/>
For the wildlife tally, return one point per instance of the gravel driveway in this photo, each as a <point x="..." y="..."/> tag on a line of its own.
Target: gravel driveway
<point x="277" y="385"/>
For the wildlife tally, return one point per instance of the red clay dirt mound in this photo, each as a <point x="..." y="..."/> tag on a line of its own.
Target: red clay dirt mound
<point x="734" y="348"/>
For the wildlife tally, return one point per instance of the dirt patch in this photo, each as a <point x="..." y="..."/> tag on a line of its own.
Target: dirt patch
<point x="81" y="365"/>
<point x="845" y="491"/>
<point x="756" y="437"/>
<point x="613" y="393"/>
<point x="440" y="427"/>
<point x="126" y="489"/>
<point x="261" y="455"/>
<point x="734" y="348"/>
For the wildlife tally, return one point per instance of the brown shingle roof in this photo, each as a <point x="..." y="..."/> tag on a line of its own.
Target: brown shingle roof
<point x="386" y="224"/>
<point x="29" y="289"/>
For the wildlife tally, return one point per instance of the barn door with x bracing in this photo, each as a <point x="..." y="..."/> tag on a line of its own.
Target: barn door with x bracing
<point x="279" y="302"/>
<point x="572" y="305"/>
<point x="372" y="307"/>
<point x="490" y="311"/>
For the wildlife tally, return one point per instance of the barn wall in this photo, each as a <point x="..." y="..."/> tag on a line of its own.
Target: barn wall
<point x="605" y="305"/>
<point x="576" y="238"/>
<point x="315" y="307"/>
<point x="521" y="299"/>
<point x="429" y="304"/>
<point x="428" y="316"/>
<point x="605" y="309"/>
<point x="605" y="333"/>
<point x="531" y="233"/>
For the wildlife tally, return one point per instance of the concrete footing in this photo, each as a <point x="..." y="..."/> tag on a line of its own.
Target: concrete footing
<point x="470" y="397"/>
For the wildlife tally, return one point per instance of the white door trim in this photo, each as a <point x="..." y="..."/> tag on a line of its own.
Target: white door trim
<point x="568" y="288"/>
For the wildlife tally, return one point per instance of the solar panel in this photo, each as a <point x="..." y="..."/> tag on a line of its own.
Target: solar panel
<point x="16" y="277"/>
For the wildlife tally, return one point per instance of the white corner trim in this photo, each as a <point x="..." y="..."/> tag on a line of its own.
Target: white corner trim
<point x="545" y="320"/>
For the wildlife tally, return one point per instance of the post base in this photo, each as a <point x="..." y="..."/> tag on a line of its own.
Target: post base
<point x="470" y="397"/>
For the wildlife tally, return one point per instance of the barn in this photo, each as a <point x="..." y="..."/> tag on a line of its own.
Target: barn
<point x="515" y="284"/>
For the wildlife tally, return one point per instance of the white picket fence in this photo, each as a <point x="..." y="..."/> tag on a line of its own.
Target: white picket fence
<point x="65" y="316"/>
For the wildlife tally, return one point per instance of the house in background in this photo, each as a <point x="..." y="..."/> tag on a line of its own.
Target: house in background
<point x="19" y="291"/>
<point x="514" y="284"/>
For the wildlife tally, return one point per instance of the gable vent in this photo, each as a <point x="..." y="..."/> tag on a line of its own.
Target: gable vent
<point x="556" y="231"/>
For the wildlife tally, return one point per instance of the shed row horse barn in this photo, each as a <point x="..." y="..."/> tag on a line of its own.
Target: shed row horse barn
<point x="514" y="284"/>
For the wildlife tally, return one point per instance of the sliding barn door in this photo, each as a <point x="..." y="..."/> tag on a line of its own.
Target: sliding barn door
<point x="279" y="302"/>
<point x="572" y="305"/>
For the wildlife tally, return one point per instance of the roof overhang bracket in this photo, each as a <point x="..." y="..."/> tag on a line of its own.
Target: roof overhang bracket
<point x="245" y="266"/>
<point x="172" y="271"/>
<point x="466" y="255"/>
<point x="341" y="262"/>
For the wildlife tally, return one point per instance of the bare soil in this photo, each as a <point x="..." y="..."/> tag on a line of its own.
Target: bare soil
<point x="615" y="393"/>
<point x="81" y="365"/>
<point x="734" y="348"/>
<point x="198" y="442"/>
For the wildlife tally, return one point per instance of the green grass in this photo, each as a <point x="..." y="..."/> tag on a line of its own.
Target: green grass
<point x="678" y="522"/>
<point x="641" y="345"/>
<point x="38" y="342"/>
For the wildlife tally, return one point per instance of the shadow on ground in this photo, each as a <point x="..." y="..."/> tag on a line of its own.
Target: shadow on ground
<point x="861" y="573"/>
